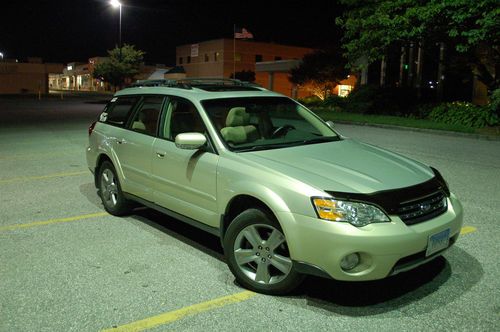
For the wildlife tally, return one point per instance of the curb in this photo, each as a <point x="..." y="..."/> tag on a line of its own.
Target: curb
<point x="424" y="130"/>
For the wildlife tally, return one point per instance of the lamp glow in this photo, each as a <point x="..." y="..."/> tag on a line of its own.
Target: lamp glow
<point x="115" y="3"/>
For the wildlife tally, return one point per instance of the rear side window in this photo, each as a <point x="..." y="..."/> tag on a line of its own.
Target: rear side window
<point x="146" y="118"/>
<point x="118" y="110"/>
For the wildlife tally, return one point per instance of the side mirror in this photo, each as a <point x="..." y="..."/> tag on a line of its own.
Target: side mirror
<point x="190" y="141"/>
<point x="330" y="124"/>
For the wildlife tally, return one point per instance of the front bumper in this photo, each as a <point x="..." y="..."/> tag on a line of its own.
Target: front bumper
<point x="384" y="248"/>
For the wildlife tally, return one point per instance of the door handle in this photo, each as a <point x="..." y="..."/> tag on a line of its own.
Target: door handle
<point x="160" y="154"/>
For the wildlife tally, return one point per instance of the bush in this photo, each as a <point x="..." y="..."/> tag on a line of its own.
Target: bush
<point x="465" y="114"/>
<point x="372" y="99"/>
<point x="495" y="102"/>
<point x="311" y="101"/>
<point x="334" y="101"/>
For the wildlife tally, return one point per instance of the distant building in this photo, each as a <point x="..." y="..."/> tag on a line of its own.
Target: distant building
<point x="270" y="62"/>
<point x="78" y="76"/>
<point x="26" y="77"/>
<point x="223" y="57"/>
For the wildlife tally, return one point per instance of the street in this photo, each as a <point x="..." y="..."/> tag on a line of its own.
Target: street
<point x="66" y="265"/>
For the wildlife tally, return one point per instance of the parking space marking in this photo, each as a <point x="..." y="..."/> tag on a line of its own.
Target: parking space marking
<point x="467" y="230"/>
<point x="176" y="315"/>
<point x="52" y="221"/>
<point x="41" y="177"/>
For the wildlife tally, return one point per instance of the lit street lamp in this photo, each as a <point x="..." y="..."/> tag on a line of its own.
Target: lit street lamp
<point x="117" y="4"/>
<point x="1" y="55"/>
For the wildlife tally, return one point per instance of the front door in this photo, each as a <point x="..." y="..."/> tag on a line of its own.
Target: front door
<point x="184" y="180"/>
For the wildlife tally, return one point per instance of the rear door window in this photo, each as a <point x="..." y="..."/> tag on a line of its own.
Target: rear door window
<point x="145" y="119"/>
<point x="118" y="110"/>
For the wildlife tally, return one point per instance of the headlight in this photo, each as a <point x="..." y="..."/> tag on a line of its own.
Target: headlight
<point x="357" y="214"/>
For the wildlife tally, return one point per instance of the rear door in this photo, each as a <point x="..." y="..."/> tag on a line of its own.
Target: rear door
<point x="134" y="147"/>
<point x="184" y="180"/>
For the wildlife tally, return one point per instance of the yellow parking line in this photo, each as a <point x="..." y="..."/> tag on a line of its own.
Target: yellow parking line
<point x="467" y="230"/>
<point x="42" y="177"/>
<point x="52" y="221"/>
<point x="173" y="316"/>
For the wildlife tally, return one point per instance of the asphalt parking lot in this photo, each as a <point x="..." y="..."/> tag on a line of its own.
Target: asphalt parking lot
<point x="66" y="265"/>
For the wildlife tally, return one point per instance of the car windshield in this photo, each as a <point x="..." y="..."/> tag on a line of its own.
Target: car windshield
<point x="259" y="123"/>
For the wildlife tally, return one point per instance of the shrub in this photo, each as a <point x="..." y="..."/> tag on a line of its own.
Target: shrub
<point x="335" y="101"/>
<point x="465" y="114"/>
<point x="495" y="102"/>
<point x="372" y="99"/>
<point x="311" y="101"/>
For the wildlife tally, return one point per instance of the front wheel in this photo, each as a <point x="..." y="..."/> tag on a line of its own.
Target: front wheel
<point x="110" y="191"/>
<point x="257" y="254"/>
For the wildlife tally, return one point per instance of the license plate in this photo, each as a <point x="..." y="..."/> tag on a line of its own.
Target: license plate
<point x="438" y="242"/>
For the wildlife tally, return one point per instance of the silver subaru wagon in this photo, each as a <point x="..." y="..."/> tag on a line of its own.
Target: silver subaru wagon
<point x="287" y="194"/>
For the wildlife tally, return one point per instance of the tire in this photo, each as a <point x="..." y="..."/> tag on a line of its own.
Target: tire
<point x="257" y="254"/>
<point x="110" y="191"/>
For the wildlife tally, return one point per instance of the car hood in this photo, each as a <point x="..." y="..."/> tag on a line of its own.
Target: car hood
<point x="344" y="166"/>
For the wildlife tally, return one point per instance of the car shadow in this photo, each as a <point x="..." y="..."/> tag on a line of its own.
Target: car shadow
<point x="421" y="290"/>
<point x="424" y="289"/>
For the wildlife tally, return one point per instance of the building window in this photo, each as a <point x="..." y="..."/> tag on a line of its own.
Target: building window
<point x="237" y="57"/>
<point x="277" y="58"/>
<point x="188" y="59"/>
<point x="216" y="56"/>
<point x="180" y="60"/>
<point x="258" y="57"/>
<point x="207" y="58"/>
<point x="344" y="90"/>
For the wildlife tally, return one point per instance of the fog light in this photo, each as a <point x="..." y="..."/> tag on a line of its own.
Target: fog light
<point x="349" y="262"/>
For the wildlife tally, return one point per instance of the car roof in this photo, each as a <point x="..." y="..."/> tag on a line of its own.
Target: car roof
<point x="197" y="89"/>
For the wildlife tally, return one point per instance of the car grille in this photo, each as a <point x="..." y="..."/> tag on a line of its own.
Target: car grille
<point x="423" y="209"/>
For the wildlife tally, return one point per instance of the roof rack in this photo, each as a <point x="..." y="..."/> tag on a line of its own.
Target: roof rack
<point x="212" y="84"/>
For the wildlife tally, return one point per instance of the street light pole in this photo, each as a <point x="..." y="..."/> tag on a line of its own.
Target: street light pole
<point x="117" y="4"/>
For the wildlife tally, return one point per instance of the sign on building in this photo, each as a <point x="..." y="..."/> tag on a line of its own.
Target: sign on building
<point x="194" y="50"/>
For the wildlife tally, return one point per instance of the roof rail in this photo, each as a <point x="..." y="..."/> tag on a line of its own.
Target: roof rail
<point x="189" y="83"/>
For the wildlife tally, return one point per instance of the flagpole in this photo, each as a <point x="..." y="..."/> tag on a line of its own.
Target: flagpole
<point x="234" y="51"/>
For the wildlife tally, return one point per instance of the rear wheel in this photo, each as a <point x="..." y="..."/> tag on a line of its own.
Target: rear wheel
<point x="110" y="191"/>
<point x="257" y="254"/>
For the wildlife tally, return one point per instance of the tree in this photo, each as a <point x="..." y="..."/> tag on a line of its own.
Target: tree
<point x="320" y="72"/>
<point x="471" y="27"/>
<point x="121" y="65"/>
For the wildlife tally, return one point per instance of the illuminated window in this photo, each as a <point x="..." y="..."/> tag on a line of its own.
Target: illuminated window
<point x="237" y="56"/>
<point x="344" y="90"/>
<point x="216" y="56"/>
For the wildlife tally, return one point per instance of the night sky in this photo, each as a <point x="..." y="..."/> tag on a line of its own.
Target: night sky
<point x="74" y="30"/>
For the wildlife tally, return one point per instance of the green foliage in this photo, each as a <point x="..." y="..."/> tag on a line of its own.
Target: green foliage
<point x="373" y="99"/>
<point x="372" y="26"/>
<point x="320" y="71"/>
<point x="465" y="114"/>
<point x="122" y="64"/>
<point x="495" y="102"/>
<point x="311" y="101"/>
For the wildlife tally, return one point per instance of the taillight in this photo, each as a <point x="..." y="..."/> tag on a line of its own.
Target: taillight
<point x="91" y="127"/>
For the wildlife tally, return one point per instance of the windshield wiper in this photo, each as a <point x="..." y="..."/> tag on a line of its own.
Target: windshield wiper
<point x="321" y="139"/>
<point x="264" y="147"/>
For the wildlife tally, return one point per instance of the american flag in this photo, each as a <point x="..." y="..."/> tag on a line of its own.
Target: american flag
<point x="242" y="34"/>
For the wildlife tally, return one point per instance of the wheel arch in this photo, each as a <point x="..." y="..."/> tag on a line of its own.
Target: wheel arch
<point x="240" y="203"/>
<point x="100" y="160"/>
